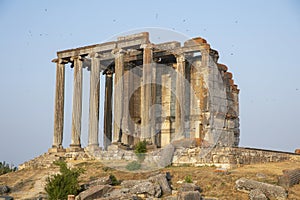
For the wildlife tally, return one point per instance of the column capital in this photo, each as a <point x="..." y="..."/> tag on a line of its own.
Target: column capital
<point x="109" y="73"/>
<point x="60" y="60"/>
<point x="180" y="57"/>
<point x="95" y="55"/>
<point x="118" y="51"/>
<point x="147" y="45"/>
<point x="77" y="57"/>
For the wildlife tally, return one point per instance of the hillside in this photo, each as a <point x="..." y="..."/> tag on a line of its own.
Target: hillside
<point x="29" y="183"/>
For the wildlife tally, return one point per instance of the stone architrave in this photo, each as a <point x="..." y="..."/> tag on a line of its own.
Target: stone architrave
<point x="118" y="94"/>
<point x="108" y="110"/>
<point x="93" y="142"/>
<point x="59" y="106"/>
<point x="180" y="97"/>
<point x="77" y="104"/>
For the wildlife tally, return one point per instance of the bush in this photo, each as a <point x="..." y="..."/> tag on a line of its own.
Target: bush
<point x="188" y="179"/>
<point x="114" y="180"/>
<point x="61" y="185"/>
<point x="134" y="165"/>
<point x="5" y="168"/>
<point x="140" y="150"/>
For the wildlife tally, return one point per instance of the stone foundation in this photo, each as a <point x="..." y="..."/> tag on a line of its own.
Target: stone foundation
<point x="225" y="157"/>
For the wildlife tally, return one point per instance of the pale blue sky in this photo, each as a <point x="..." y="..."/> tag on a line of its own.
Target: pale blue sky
<point x="258" y="40"/>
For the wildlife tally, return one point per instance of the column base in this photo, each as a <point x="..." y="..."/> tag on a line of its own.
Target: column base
<point x="75" y="148"/>
<point x="92" y="148"/>
<point x="56" y="150"/>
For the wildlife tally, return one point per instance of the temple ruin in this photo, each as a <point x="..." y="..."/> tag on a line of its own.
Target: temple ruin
<point x="155" y="92"/>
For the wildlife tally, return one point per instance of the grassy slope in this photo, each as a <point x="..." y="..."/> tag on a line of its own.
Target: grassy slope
<point x="26" y="183"/>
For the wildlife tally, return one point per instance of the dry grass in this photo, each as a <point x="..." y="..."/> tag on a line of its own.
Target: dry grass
<point x="212" y="183"/>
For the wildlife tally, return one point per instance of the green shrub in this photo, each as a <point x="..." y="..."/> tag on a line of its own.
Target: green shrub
<point x="114" y="180"/>
<point x="61" y="185"/>
<point x="188" y="179"/>
<point x="141" y="147"/>
<point x="134" y="165"/>
<point x="140" y="150"/>
<point x="6" y="168"/>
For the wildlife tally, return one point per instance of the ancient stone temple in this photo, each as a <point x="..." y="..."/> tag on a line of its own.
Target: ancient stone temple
<point x="155" y="92"/>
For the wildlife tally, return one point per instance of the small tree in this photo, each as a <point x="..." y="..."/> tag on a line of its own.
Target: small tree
<point x="141" y="147"/>
<point x="140" y="150"/>
<point x="61" y="185"/>
<point x="6" y="168"/>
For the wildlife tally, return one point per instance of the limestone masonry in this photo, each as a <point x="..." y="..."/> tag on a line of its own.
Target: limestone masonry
<point x="155" y="92"/>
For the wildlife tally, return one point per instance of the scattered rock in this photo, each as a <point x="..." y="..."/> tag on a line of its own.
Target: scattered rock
<point x="147" y="188"/>
<point x="275" y="191"/>
<point x="186" y="187"/>
<point x="101" y="181"/>
<point x="257" y="195"/>
<point x="289" y="178"/>
<point x="6" y="198"/>
<point x="4" y="189"/>
<point x="94" y="192"/>
<point x="161" y="179"/>
<point x="190" y="195"/>
<point x="297" y="151"/>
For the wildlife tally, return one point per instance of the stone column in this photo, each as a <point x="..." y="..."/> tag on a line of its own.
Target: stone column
<point x="93" y="142"/>
<point x="146" y="90"/>
<point x="118" y="94"/>
<point x="166" y="94"/>
<point x="59" y="106"/>
<point x="180" y="97"/>
<point x="77" y="104"/>
<point x="108" y="110"/>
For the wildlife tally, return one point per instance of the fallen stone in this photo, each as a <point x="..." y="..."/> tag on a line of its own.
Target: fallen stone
<point x="186" y="187"/>
<point x="269" y="190"/>
<point x="161" y="180"/>
<point x="166" y="156"/>
<point x="190" y="195"/>
<point x="131" y="183"/>
<point x="257" y="195"/>
<point x="289" y="178"/>
<point x="147" y="188"/>
<point x="297" y="151"/>
<point x="101" y="181"/>
<point x="4" y="189"/>
<point x="94" y="192"/>
<point x="6" y="198"/>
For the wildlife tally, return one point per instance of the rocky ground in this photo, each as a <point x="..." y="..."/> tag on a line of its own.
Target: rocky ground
<point x="216" y="183"/>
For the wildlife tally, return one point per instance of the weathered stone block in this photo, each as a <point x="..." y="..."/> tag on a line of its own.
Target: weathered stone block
<point x="186" y="187"/>
<point x="247" y="185"/>
<point x="289" y="178"/>
<point x="257" y="195"/>
<point x="190" y="195"/>
<point x="94" y="192"/>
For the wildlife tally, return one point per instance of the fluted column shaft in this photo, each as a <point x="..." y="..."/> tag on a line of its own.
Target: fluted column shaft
<point x="118" y="94"/>
<point x="59" y="105"/>
<point x="180" y="97"/>
<point x="108" y="110"/>
<point x="94" y="102"/>
<point x="146" y="90"/>
<point x="77" y="103"/>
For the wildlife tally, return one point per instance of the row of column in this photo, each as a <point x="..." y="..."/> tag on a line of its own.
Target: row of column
<point x="77" y="104"/>
<point x="147" y="100"/>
